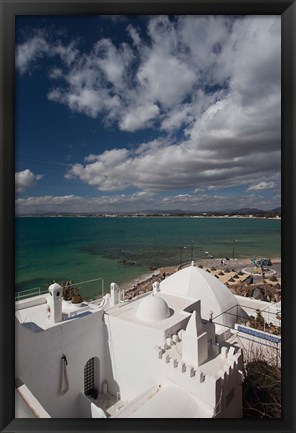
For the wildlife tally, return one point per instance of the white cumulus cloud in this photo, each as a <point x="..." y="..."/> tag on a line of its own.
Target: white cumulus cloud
<point x="208" y="86"/>
<point x="26" y="179"/>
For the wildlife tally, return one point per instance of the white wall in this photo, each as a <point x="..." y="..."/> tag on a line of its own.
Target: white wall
<point x="137" y="367"/>
<point x="209" y="390"/>
<point x="268" y="309"/>
<point x="135" y="362"/>
<point x="127" y="353"/>
<point x="38" y="360"/>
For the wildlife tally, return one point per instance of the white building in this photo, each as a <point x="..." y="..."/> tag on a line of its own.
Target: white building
<point x="159" y="355"/>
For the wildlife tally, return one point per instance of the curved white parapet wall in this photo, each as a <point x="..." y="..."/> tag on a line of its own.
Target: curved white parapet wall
<point x="152" y="308"/>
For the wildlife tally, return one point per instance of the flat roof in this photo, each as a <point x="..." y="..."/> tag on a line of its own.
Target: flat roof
<point x="166" y="401"/>
<point x="177" y="304"/>
<point x="37" y="317"/>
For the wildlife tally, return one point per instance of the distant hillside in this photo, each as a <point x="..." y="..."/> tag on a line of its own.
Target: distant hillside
<point x="277" y="210"/>
<point x="241" y="211"/>
<point x="168" y="212"/>
<point x="253" y="211"/>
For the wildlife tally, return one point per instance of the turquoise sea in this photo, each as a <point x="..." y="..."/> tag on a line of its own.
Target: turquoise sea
<point x="81" y="249"/>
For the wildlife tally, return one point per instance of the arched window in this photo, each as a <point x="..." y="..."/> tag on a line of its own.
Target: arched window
<point x="91" y="371"/>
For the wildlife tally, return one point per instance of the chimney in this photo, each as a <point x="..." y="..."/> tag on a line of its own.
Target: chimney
<point x="114" y="293"/>
<point x="55" y="302"/>
<point x="156" y="287"/>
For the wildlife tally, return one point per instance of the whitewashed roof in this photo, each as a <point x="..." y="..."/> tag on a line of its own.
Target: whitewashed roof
<point x="153" y="308"/>
<point x="196" y="283"/>
<point x="169" y="401"/>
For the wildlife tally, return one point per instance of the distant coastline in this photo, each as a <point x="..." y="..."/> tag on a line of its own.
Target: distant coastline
<point x="258" y="214"/>
<point x="150" y="216"/>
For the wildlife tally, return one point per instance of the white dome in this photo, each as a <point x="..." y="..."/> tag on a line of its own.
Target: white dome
<point x="152" y="308"/>
<point x="193" y="282"/>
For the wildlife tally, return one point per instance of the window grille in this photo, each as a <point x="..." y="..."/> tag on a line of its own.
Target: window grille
<point x="89" y="376"/>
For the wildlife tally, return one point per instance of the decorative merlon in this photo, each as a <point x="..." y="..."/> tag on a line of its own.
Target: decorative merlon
<point x="175" y="338"/>
<point x="224" y="352"/>
<point x="231" y="352"/>
<point x="190" y="371"/>
<point x="182" y="367"/>
<point x="180" y="333"/>
<point x="175" y="363"/>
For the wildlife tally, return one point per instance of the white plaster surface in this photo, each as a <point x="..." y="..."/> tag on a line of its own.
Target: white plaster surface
<point x="168" y="401"/>
<point x="38" y="359"/>
<point x="134" y="354"/>
<point x="196" y="283"/>
<point x="152" y="308"/>
<point x="31" y="302"/>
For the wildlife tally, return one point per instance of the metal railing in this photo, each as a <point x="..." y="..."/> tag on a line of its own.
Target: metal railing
<point x="36" y="291"/>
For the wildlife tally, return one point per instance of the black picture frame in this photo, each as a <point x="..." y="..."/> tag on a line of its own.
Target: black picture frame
<point x="9" y="9"/>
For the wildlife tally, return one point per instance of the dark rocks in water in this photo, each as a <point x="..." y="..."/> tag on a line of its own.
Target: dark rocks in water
<point x="128" y="262"/>
<point x="227" y="271"/>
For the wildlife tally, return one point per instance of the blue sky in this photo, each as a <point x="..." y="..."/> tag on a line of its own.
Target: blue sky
<point x="131" y="113"/>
